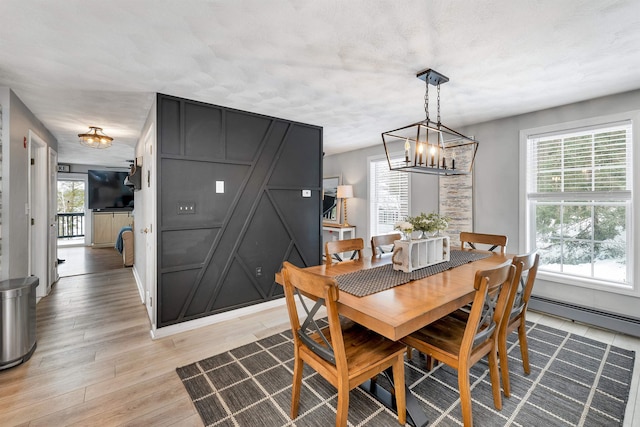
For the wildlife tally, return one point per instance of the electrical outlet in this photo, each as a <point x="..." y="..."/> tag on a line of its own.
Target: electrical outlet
<point x="185" y="208"/>
<point x="258" y="271"/>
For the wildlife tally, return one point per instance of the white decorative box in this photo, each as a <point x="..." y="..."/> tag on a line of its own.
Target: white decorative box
<point x="414" y="254"/>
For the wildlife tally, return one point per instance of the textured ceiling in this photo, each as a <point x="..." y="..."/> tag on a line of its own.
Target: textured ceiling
<point x="346" y="65"/>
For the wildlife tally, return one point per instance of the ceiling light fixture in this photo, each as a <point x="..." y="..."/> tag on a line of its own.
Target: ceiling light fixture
<point x="95" y="138"/>
<point x="431" y="147"/>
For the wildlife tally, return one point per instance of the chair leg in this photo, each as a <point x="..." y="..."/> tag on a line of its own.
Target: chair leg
<point x="295" y="389"/>
<point x="464" y="387"/>
<point x="409" y="352"/>
<point x="524" y="347"/>
<point x="342" y="410"/>
<point x="504" y="364"/>
<point x="495" y="378"/>
<point x="430" y="362"/>
<point x="399" y="387"/>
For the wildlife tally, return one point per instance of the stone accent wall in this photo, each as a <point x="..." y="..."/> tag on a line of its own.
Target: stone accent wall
<point x="456" y="198"/>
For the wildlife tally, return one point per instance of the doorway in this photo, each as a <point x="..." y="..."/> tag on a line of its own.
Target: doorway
<point x="71" y="207"/>
<point x="42" y="226"/>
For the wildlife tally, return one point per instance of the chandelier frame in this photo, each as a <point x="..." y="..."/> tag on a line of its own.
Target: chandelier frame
<point x="430" y="147"/>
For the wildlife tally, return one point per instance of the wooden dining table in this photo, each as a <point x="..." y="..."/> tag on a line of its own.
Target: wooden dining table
<point x="403" y="309"/>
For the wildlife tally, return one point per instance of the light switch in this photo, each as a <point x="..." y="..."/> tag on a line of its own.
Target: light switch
<point x="219" y="186"/>
<point x="184" y="208"/>
<point x="306" y="193"/>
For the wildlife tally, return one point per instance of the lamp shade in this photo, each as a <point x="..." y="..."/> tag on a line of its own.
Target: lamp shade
<point x="345" y="191"/>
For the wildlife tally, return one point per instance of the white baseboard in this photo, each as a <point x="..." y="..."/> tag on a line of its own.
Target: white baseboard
<point x="213" y="319"/>
<point x="138" y="283"/>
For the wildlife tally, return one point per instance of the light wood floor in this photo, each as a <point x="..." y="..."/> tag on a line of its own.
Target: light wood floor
<point x="85" y="260"/>
<point x="96" y="364"/>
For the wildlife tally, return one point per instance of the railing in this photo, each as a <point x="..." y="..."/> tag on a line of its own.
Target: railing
<point x="70" y="225"/>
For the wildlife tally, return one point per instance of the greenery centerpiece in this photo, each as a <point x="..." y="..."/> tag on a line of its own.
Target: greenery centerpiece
<point x="406" y="228"/>
<point x="429" y="224"/>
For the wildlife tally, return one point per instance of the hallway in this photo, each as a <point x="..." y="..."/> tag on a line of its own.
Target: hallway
<point x="86" y="260"/>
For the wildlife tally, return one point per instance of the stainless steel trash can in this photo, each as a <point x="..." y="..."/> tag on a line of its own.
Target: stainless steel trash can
<point x="17" y="320"/>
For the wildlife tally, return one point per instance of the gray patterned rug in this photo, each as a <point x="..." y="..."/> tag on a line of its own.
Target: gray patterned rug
<point x="574" y="381"/>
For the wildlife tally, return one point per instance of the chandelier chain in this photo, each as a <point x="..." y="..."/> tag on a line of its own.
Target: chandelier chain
<point x="426" y="100"/>
<point x="438" y="104"/>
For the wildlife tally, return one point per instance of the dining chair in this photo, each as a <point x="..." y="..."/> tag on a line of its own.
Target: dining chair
<point x="335" y="247"/>
<point x="383" y="240"/>
<point x="516" y="318"/>
<point x="494" y="240"/>
<point x="344" y="353"/>
<point x="461" y="342"/>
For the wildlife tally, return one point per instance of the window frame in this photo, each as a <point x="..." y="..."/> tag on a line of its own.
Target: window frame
<point x="527" y="227"/>
<point x="383" y="158"/>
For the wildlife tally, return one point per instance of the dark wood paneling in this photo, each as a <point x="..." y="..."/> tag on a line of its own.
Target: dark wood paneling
<point x="203" y="127"/>
<point x="244" y="133"/>
<point x="189" y="181"/>
<point x="186" y="247"/>
<point x="225" y="255"/>
<point x="169" y="126"/>
<point x="298" y="159"/>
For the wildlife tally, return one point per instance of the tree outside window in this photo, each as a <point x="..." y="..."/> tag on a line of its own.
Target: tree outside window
<point x="579" y="198"/>
<point x="70" y="196"/>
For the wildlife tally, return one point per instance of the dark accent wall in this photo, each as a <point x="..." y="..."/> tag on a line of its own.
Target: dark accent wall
<point x="221" y="250"/>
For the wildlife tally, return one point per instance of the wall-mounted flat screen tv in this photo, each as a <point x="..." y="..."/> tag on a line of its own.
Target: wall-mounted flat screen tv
<point x="108" y="192"/>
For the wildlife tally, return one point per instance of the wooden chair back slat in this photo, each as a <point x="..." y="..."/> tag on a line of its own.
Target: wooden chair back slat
<point x="345" y="358"/>
<point x="493" y="240"/>
<point x="463" y="338"/>
<point x="493" y="288"/>
<point x="383" y="240"/>
<point x="515" y="319"/>
<point x="335" y="247"/>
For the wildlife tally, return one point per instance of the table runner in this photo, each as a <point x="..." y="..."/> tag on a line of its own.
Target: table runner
<point x="365" y="282"/>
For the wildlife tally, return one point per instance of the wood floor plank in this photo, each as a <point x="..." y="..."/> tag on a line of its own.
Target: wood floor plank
<point x="31" y="390"/>
<point x="106" y="404"/>
<point x="177" y="413"/>
<point x="23" y="414"/>
<point x="121" y="412"/>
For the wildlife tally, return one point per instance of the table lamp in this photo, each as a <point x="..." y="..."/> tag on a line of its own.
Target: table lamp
<point x="345" y="192"/>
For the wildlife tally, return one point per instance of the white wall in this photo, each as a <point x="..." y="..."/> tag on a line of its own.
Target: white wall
<point x="496" y="189"/>
<point x="145" y="218"/>
<point x="15" y="182"/>
<point x="4" y="186"/>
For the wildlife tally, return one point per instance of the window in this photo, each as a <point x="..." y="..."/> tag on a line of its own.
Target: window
<point x="388" y="195"/>
<point x="70" y="204"/>
<point x="579" y="203"/>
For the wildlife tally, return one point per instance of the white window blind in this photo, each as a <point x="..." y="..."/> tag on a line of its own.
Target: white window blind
<point x="595" y="160"/>
<point x="579" y="198"/>
<point x="389" y="196"/>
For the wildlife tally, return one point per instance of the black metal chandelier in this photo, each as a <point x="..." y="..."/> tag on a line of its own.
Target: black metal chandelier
<point x="431" y="147"/>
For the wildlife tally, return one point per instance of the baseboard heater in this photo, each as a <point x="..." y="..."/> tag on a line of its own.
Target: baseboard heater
<point x="615" y="322"/>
